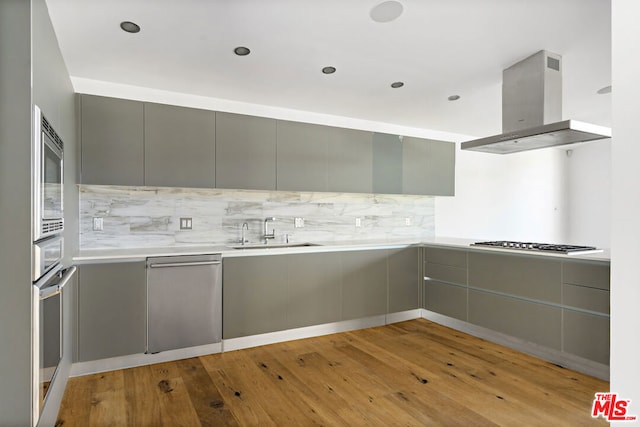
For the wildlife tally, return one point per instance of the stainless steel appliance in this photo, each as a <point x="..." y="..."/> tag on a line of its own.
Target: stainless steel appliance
<point x="532" y="110"/>
<point x="48" y="182"/>
<point x="48" y="326"/>
<point x="47" y="254"/>
<point x="541" y="247"/>
<point x="184" y="301"/>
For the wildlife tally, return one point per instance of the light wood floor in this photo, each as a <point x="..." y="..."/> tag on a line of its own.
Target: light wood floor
<point x="415" y="373"/>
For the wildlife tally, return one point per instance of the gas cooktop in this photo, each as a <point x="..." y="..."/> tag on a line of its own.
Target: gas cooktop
<point x="542" y="247"/>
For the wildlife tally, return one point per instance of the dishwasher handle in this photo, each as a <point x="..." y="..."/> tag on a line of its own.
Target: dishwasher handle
<point x="183" y="264"/>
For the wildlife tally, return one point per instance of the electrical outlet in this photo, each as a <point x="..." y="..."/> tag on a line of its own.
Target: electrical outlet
<point x="98" y="224"/>
<point x="186" y="223"/>
<point x="358" y="222"/>
<point x="298" y="222"/>
<point x="407" y="221"/>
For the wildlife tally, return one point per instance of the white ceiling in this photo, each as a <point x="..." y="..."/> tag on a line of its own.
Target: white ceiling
<point x="436" y="47"/>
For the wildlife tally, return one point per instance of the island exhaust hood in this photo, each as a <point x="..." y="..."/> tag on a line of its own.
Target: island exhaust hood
<point x="532" y="110"/>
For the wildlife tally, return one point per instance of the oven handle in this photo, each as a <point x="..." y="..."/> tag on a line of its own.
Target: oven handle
<point x="53" y="290"/>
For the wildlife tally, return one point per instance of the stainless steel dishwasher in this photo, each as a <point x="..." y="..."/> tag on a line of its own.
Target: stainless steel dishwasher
<point x="184" y="301"/>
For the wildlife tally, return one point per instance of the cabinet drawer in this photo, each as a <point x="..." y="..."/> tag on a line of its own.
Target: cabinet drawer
<point x="586" y="336"/>
<point x="586" y="298"/>
<point x="446" y="299"/>
<point x="586" y="274"/>
<point x="452" y="257"/>
<point x="446" y="273"/>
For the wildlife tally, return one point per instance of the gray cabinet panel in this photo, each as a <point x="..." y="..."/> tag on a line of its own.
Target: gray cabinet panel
<point x="428" y="167"/>
<point x="387" y="164"/>
<point x="111" y="310"/>
<point x="586" y="335"/>
<point x="350" y="160"/>
<point x="586" y="274"/>
<point x="452" y="257"/>
<point x="245" y="152"/>
<point x="179" y="146"/>
<point x="446" y="273"/>
<point x="302" y="157"/>
<point x="313" y="282"/>
<point x="537" y="323"/>
<point x="254" y="295"/>
<point x="446" y="299"/>
<point x="531" y="277"/>
<point x="404" y="279"/>
<point x="364" y="283"/>
<point x="586" y="298"/>
<point x="112" y="141"/>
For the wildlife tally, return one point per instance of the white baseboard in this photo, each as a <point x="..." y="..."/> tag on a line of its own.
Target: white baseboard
<point x="570" y="361"/>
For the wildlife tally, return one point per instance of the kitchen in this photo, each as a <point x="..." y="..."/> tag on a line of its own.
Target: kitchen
<point x="497" y="202"/>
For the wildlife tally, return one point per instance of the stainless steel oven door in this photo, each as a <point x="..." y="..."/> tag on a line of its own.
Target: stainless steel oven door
<point x="47" y="254"/>
<point x="48" y="169"/>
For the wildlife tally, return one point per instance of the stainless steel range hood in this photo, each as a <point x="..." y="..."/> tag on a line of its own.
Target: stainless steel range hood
<point x="532" y="110"/>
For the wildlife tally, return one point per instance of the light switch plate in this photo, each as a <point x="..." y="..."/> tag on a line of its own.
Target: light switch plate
<point x="358" y="222"/>
<point x="407" y="221"/>
<point x="98" y="224"/>
<point x="298" y="222"/>
<point x="186" y="223"/>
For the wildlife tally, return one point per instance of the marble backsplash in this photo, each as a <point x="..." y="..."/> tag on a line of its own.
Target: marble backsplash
<point x="150" y="216"/>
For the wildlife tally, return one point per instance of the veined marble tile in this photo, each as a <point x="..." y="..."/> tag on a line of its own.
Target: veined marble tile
<point x="150" y="216"/>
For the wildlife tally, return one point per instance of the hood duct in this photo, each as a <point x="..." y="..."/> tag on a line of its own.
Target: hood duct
<point x="532" y="110"/>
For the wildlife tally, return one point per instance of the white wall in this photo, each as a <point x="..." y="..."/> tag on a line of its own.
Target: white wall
<point x="625" y="230"/>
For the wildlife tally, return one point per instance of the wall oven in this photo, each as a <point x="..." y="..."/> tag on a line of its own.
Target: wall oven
<point x="47" y="179"/>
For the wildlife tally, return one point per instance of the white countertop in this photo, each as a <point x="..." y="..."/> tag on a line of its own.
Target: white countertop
<point x="227" y="251"/>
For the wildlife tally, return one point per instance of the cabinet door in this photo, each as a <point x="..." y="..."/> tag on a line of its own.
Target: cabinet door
<point x="313" y="282"/>
<point x="530" y="321"/>
<point x="428" y="167"/>
<point x="179" y="146"/>
<point x="350" y="160"/>
<point x="404" y="279"/>
<point x="111" y="310"/>
<point x="364" y="283"/>
<point x="112" y="141"/>
<point x="254" y="295"/>
<point x="532" y="277"/>
<point x="586" y="335"/>
<point x="445" y="298"/>
<point x="245" y="152"/>
<point x="387" y="164"/>
<point x="302" y="157"/>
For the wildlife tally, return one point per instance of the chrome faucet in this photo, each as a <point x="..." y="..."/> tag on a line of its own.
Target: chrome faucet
<point x="243" y="240"/>
<point x="268" y="235"/>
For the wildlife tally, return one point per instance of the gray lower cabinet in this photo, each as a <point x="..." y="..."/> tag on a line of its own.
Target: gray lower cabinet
<point x="350" y="163"/>
<point x="404" y="279"/>
<point x="313" y="289"/>
<point x="302" y="156"/>
<point x="364" y="283"/>
<point x="586" y="335"/>
<point x="387" y="164"/>
<point x="245" y="152"/>
<point x="254" y="295"/>
<point x="445" y="285"/>
<point x="112" y="141"/>
<point x="428" y="167"/>
<point x="111" y="319"/>
<point x="179" y="146"/>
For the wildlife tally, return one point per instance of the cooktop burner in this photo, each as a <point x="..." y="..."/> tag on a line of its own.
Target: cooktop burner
<point x="544" y="247"/>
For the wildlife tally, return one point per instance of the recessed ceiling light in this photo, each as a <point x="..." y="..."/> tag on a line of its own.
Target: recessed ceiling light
<point x="329" y="70"/>
<point x="130" y="27"/>
<point x="396" y="85"/>
<point x="386" y="11"/>
<point x="242" y="51"/>
<point x="453" y="97"/>
<point x="606" y="89"/>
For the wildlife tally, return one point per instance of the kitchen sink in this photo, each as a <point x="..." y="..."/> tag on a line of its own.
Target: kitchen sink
<point x="274" y="245"/>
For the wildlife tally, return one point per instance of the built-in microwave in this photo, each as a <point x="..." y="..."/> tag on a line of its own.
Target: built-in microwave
<point x="47" y="254"/>
<point x="48" y="182"/>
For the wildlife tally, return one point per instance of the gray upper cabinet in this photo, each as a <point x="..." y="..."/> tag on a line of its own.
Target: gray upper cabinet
<point x="387" y="164"/>
<point x="302" y="157"/>
<point x="428" y="167"/>
<point x="245" y="152"/>
<point x="179" y="146"/>
<point x="350" y="163"/>
<point x="112" y="141"/>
